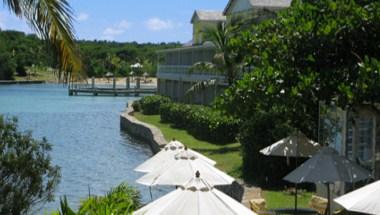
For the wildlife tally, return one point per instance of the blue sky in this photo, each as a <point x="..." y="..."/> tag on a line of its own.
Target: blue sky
<point x="128" y="20"/>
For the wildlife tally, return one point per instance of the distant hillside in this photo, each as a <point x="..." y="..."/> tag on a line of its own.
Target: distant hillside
<point x="19" y="52"/>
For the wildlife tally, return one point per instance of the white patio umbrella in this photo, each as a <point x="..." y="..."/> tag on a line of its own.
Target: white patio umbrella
<point x="195" y="197"/>
<point x="297" y="145"/>
<point x="363" y="200"/>
<point x="136" y="65"/>
<point x="167" y="155"/>
<point x="292" y="146"/>
<point x="183" y="168"/>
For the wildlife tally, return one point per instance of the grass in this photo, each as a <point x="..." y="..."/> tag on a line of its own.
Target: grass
<point x="39" y="75"/>
<point x="281" y="199"/>
<point x="228" y="159"/>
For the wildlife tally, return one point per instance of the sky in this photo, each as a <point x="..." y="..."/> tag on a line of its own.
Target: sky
<point x="128" y="20"/>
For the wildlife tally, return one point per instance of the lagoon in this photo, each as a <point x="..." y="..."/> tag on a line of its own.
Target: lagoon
<point x="88" y="145"/>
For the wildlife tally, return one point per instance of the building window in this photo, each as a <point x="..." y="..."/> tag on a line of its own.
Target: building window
<point x="349" y="139"/>
<point x="364" y="143"/>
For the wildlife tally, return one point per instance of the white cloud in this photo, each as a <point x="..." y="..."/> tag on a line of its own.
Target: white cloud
<point x="124" y="24"/>
<point x="82" y="17"/>
<point x="115" y="30"/>
<point x="157" y="24"/>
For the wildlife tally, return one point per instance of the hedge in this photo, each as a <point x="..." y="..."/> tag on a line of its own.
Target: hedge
<point x="150" y="105"/>
<point x="201" y="121"/>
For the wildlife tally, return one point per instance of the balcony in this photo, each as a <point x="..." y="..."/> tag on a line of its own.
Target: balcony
<point x="182" y="73"/>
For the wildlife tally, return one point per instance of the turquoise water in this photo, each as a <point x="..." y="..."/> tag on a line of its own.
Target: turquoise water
<point x="94" y="155"/>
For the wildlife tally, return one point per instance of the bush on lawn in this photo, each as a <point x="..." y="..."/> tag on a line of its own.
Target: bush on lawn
<point x="201" y="121"/>
<point x="151" y="104"/>
<point x="136" y="105"/>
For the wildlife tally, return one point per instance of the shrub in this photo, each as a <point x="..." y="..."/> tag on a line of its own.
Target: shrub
<point x="176" y="113"/>
<point x="151" y="104"/>
<point x="201" y="121"/>
<point x="136" y="105"/>
<point x="120" y="200"/>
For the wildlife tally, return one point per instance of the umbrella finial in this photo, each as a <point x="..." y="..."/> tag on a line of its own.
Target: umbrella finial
<point x="197" y="174"/>
<point x="173" y="139"/>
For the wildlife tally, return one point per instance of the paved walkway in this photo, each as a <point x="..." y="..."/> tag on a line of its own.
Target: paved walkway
<point x="251" y="193"/>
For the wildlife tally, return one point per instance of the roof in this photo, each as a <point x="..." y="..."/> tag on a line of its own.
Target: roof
<point x="206" y="45"/>
<point x="261" y="4"/>
<point x="208" y="15"/>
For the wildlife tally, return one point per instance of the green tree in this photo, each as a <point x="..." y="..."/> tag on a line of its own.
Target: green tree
<point x="323" y="51"/>
<point x="52" y="20"/>
<point x="7" y="65"/>
<point x="226" y="60"/>
<point x="27" y="177"/>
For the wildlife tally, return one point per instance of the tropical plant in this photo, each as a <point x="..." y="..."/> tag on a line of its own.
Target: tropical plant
<point x="27" y="177"/>
<point x="122" y="200"/>
<point x="52" y="20"/>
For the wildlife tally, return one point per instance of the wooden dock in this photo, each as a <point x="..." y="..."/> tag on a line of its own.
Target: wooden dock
<point x="111" y="91"/>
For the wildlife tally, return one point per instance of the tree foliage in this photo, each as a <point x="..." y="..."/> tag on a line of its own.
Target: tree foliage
<point x="52" y="20"/>
<point x="27" y="177"/>
<point x="315" y="51"/>
<point x="119" y="201"/>
<point x="7" y="65"/>
<point x="99" y="57"/>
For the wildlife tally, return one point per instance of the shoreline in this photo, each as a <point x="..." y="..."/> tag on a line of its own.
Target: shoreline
<point x="10" y="82"/>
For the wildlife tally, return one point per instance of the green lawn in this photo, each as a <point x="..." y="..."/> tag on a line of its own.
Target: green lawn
<point x="228" y="159"/>
<point x="281" y="199"/>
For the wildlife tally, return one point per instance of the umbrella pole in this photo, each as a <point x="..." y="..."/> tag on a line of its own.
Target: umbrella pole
<point x="328" y="199"/>
<point x="150" y="191"/>
<point x="295" y="185"/>
<point x="295" y="199"/>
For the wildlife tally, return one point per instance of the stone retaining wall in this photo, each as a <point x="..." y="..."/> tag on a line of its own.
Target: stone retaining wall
<point x="144" y="131"/>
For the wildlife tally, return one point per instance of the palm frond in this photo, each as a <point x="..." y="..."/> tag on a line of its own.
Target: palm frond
<point x="52" y="20"/>
<point x="13" y="5"/>
<point x="203" y="66"/>
<point x="201" y="85"/>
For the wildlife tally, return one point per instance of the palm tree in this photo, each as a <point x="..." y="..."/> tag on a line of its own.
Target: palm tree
<point x="226" y="59"/>
<point x="52" y="21"/>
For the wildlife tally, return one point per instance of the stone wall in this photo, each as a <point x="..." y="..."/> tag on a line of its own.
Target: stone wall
<point x="146" y="132"/>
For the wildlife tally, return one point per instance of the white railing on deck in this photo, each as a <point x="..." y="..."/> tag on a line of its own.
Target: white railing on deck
<point x="182" y="72"/>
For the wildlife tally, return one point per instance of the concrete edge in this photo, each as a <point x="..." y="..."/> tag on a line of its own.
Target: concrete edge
<point x="149" y="133"/>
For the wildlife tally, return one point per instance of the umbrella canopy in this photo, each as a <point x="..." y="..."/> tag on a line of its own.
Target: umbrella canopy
<point x="327" y="166"/>
<point x="363" y="200"/>
<point x="292" y="146"/>
<point x="109" y="74"/>
<point x="167" y="155"/>
<point x="136" y="65"/>
<point x="183" y="168"/>
<point x="196" y="197"/>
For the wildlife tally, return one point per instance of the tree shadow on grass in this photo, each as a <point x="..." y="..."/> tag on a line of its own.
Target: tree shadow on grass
<point x="221" y="150"/>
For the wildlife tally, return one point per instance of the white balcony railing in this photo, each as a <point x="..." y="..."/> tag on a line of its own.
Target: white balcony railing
<point x="182" y="72"/>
